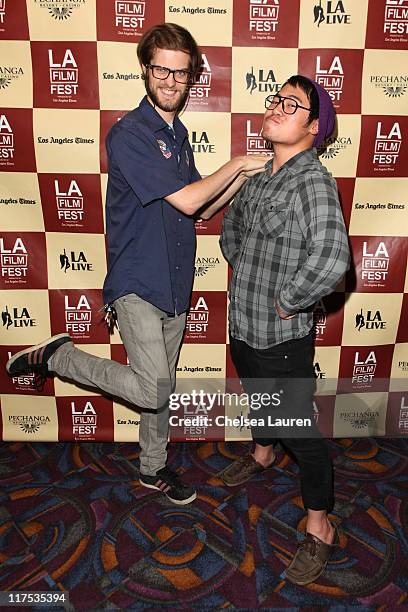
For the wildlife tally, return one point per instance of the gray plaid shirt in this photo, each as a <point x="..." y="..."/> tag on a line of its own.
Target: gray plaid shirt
<point x="285" y="238"/>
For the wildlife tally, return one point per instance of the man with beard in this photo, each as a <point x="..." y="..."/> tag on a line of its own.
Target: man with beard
<point x="286" y="241"/>
<point x="153" y="191"/>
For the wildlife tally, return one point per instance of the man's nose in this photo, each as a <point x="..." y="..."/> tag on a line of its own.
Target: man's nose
<point x="170" y="80"/>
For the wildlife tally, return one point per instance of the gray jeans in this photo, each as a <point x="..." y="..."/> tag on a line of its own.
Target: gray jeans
<point x="152" y="341"/>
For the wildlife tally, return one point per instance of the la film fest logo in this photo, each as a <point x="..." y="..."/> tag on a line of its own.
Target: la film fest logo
<point x="69" y="201"/>
<point x="13" y="259"/>
<point x="254" y="141"/>
<point x="387" y="145"/>
<point x="200" y="143"/>
<point x="17" y="317"/>
<point x="320" y="318"/>
<point x="74" y="261"/>
<point x="2" y="10"/>
<point x="201" y="87"/>
<point x="396" y="17"/>
<point x="204" y="264"/>
<point x="392" y="85"/>
<point x="330" y="77"/>
<point x="262" y="80"/>
<point x="6" y="139"/>
<point x="364" y="369"/>
<point x="330" y="12"/>
<point x="25" y="382"/>
<point x="369" y="320"/>
<point x="29" y="423"/>
<point x="60" y="10"/>
<point x="84" y="420"/>
<point x="130" y="16"/>
<point x="333" y="146"/>
<point x="78" y="316"/>
<point x="198" y="317"/>
<point x="263" y="16"/>
<point x="374" y="265"/>
<point x="403" y="415"/>
<point x="64" y="75"/>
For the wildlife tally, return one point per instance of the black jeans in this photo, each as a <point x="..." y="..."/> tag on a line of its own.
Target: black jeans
<point x="288" y="368"/>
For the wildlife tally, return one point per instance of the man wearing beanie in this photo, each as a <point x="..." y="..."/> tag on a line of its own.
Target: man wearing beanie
<point x="286" y="241"/>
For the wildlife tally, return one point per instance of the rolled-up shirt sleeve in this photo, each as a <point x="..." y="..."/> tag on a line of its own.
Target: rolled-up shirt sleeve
<point x="328" y="257"/>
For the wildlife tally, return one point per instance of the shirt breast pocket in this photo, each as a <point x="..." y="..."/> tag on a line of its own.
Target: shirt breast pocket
<point x="273" y="218"/>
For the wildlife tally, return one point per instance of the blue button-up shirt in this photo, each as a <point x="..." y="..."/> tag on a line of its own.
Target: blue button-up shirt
<point x="151" y="244"/>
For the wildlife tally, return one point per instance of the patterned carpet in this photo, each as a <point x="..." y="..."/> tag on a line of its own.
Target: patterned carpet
<point x="73" y="517"/>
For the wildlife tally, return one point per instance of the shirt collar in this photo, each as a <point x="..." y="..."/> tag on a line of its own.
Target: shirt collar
<point x="156" y="122"/>
<point x="297" y="163"/>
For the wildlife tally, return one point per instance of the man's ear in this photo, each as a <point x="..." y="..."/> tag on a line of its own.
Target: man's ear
<point x="314" y="127"/>
<point x="144" y="71"/>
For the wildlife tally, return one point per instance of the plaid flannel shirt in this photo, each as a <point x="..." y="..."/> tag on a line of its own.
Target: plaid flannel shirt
<point x="285" y="238"/>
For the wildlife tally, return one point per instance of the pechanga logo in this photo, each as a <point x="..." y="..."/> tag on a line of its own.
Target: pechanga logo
<point x="403" y="365"/>
<point x="203" y="264"/>
<point x="6" y="139"/>
<point x="200" y="143"/>
<point x="396" y="17"/>
<point x="387" y="146"/>
<point x="74" y="261"/>
<point x="30" y="423"/>
<point x="403" y="415"/>
<point x="14" y="260"/>
<point x="70" y="203"/>
<point x="318" y="372"/>
<point x="201" y="87"/>
<point x="63" y="75"/>
<point x="374" y="266"/>
<point x="364" y="369"/>
<point x="78" y="317"/>
<point x="8" y="74"/>
<point x="17" y="317"/>
<point x="255" y="143"/>
<point x="369" y="320"/>
<point x="2" y="10"/>
<point x="319" y="318"/>
<point x="84" y="420"/>
<point x="360" y="420"/>
<point x="263" y="16"/>
<point x="330" y="78"/>
<point x="60" y="10"/>
<point x="333" y="146"/>
<point x="198" y="317"/>
<point x="130" y="15"/>
<point x="331" y="12"/>
<point x="393" y="86"/>
<point x="264" y="81"/>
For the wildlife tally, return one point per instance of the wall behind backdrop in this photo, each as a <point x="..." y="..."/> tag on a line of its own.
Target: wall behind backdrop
<point x="68" y="71"/>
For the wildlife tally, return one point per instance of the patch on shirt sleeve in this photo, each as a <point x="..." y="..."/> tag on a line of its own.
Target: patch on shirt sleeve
<point x="164" y="148"/>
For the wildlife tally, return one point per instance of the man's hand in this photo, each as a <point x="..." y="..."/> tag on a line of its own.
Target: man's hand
<point x="282" y="313"/>
<point x="254" y="163"/>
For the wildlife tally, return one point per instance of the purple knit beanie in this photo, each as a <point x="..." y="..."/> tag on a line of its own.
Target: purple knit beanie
<point x="327" y="115"/>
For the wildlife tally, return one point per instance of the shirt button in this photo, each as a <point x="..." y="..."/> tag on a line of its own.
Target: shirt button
<point x="179" y="244"/>
<point x="177" y="267"/>
<point x="179" y="219"/>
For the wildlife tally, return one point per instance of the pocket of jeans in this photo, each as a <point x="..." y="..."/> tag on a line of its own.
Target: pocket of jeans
<point x="273" y="218"/>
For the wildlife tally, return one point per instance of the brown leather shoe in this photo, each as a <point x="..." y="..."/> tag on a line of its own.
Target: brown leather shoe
<point x="311" y="559"/>
<point x="242" y="470"/>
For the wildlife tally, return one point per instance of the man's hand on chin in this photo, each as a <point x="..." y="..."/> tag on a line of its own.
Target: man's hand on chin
<point x="282" y="313"/>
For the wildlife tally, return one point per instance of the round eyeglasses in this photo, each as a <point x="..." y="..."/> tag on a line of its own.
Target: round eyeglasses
<point x="289" y="105"/>
<point x="161" y="72"/>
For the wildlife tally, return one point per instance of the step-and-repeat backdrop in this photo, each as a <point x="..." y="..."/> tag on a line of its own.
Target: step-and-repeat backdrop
<point x="68" y="71"/>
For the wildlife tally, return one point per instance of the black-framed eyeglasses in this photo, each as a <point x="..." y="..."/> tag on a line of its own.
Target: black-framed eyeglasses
<point x="289" y="105"/>
<point x="161" y="72"/>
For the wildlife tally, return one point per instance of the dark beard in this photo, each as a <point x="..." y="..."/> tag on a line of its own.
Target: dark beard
<point x="169" y="107"/>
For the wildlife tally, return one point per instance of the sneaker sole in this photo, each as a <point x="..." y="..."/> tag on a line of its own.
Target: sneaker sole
<point x="179" y="502"/>
<point x="33" y="348"/>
